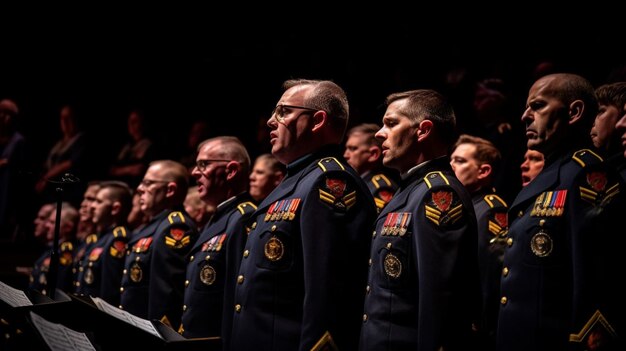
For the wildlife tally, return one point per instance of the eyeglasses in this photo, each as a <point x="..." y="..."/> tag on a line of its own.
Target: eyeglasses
<point x="146" y="183"/>
<point x="201" y="165"/>
<point x="281" y="110"/>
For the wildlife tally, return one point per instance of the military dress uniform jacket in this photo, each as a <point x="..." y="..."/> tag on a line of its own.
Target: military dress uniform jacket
<point x="423" y="289"/>
<point x="154" y="271"/>
<point x="100" y="274"/>
<point x="562" y="261"/>
<point x="491" y="216"/>
<point x="39" y="277"/>
<point x="304" y="266"/>
<point x="206" y="268"/>
<point x="382" y="183"/>
<point x="82" y="247"/>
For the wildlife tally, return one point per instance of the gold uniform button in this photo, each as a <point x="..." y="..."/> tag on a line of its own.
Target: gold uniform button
<point x="504" y="300"/>
<point x="240" y="279"/>
<point x="364" y="317"/>
<point x="389" y="245"/>
<point x="184" y="308"/>
<point x="90" y="264"/>
<point x="505" y="271"/>
<point x="253" y="225"/>
<point x="77" y="283"/>
<point x="137" y="259"/>
<point x="246" y="253"/>
<point x="186" y="283"/>
<point x="122" y="289"/>
<point x="374" y="233"/>
<point x="191" y="258"/>
<point x="237" y="308"/>
<point x="207" y="258"/>
<point x="369" y="262"/>
<point x="80" y="269"/>
<point x="509" y="241"/>
<point x="273" y="227"/>
<point x="367" y="289"/>
<point x="125" y="271"/>
<point x="121" y="307"/>
<point x="520" y="213"/>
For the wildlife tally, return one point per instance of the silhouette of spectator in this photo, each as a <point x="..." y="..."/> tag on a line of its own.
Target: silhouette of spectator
<point x="133" y="159"/>
<point x="68" y="155"/>
<point x="12" y="161"/>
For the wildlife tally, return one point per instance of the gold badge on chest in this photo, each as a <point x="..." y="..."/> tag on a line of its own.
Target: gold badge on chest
<point x="274" y="249"/>
<point x="89" y="276"/>
<point x="393" y="266"/>
<point x="136" y="274"/>
<point x="207" y="275"/>
<point x="541" y="244"/>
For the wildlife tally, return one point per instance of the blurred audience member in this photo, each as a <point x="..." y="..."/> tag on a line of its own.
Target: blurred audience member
<point x="12" y="162"/>
<point x="68" y="155"/>
<point x="134" y="157"/>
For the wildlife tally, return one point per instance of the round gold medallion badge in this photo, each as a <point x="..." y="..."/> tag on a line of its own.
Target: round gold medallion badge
<point x="274" y="249"/>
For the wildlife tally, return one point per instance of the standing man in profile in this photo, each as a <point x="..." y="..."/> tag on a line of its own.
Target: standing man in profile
<point x="365" y="154"/>
<point x="302" y="277"/>
<point x="221" y="172"/>
<point x="423" y="291"/>
<point x="154" y="271"/>
<point x="563" y="253"/>
<point x="475" y="161"/>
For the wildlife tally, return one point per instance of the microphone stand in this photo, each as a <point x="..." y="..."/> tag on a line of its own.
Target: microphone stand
<point x="54" y="254"/>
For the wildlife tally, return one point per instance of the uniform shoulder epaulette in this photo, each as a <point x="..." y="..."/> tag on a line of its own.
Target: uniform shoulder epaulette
<point x="119" y="232"/>
<point x="434" y="179"/>
<point x="494" y="201"/>
<point x="328" y="164"/>
<point x="66" y="246"/>
<point x="176" y="217"/>
<point x="380" y="180"/>
<point x="586" y="157"/>
<point x="91" y="238"/>
<point x="246" y="207"/>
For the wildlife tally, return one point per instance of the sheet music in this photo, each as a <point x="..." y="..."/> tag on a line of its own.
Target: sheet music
<point x="13" y="297"/>
<point x="60" y="338"/>
<point x="130" y="318"/>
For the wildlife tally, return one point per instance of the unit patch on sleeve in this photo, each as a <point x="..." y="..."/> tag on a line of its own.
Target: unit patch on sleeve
<point x="334" y="193"/>
<point x="443" y="209"/>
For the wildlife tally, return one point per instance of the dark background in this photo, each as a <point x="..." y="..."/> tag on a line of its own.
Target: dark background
<point x="226" y="64"/>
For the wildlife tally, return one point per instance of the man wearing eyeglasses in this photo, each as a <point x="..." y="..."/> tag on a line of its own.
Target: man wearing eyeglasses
<point x="221" y="172"/>
<point x="301" y="280"/>
<point x="154" y="271"/>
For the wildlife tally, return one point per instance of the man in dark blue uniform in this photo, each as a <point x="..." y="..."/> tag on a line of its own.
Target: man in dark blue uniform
<point x="423" y="291"/>
<point x="221" y="172"/>
<point x="561" y="259"/>
<point x="364" y="153"/>
<point x="475" y="161"/>
<point x="154" y="271"/>
<point x="67" y="232"/>
<point x="100" y="273"/>
<point x="301" y="280"/>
